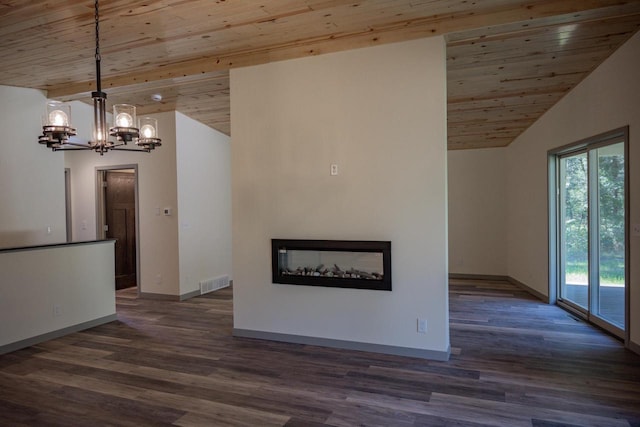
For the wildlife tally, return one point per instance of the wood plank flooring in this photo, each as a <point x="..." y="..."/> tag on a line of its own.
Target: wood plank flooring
<point x="515" y="362"/>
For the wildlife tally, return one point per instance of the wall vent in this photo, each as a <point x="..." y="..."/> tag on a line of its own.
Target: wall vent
<point x="210" y="285"/>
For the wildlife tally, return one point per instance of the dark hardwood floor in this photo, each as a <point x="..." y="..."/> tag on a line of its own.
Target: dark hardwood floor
<point x="515" y="362"/>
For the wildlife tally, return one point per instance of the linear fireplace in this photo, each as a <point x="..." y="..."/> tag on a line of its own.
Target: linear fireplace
<point x="332" y="263"/>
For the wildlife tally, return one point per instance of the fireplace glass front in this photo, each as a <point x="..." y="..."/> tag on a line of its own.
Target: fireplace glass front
<point x="333" y="263"/>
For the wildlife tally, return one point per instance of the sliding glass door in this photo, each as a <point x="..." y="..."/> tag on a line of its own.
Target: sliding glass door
<point x="608" y="300"/>
<point x="590" y="226"/>
<point x="574" y="229"/>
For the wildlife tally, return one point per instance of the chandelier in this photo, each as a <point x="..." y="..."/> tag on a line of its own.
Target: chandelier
<point x="57" y="130"/>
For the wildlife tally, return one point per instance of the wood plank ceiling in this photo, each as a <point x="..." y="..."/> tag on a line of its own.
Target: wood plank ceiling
<point x="508" y="61"/>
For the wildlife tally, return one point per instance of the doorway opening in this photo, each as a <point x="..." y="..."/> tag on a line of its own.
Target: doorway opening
<point x="589" y="223"/>
<point x="117" y="218"/>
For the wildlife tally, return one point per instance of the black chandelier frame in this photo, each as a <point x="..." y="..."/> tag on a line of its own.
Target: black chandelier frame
<point x="58" y="137"/>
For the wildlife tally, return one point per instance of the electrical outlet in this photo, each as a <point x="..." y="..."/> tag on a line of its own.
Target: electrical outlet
<point x="334" y="169"/>
<point x="422" y="325"/>
<point x="635" y="230"/>
<point x="158" y="279"/>
<point x="57" y="310"/>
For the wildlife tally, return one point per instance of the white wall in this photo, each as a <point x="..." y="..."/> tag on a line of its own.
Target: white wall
<point x="28" y="295"/>
<point x="608" y="99"/>
<point x="203" y="157"/>
<point x="31" y="176"/>
<point x="380" y="114"/>
<point x="477" y="211"/>
<point x="189" y="173"/>
<point x="157" y="188"/>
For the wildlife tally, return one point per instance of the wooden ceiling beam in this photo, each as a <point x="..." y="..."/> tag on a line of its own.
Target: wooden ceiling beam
<point x="398" y="31"/>
<point x="141" y="86"/>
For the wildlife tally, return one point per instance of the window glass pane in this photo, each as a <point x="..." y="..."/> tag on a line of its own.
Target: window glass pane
<point x="611" y="237"/>
<point x="574" y="229"/>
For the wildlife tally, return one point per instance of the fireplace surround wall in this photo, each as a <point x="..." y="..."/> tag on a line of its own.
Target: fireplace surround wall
<point x="354" y="264"/>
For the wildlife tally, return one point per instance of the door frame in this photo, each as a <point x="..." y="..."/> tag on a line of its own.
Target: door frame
<point x="67" y="204"/>
<point x="586" y="144"/>
<point x="100" y="208"/>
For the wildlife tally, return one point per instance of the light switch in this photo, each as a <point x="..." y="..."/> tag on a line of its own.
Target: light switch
<point x="422" y="326"/>
<point x="167" y="211"/>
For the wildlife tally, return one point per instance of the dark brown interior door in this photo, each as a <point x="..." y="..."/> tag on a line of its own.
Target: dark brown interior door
<point x="120" y="208"/>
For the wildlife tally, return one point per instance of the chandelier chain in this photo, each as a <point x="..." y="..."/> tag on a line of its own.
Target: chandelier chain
<point x="98" y="57"/>
<point x="97" y="19"/>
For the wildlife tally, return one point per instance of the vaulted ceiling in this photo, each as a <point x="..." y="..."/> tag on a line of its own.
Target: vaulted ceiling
<point x="507" y="61"/>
